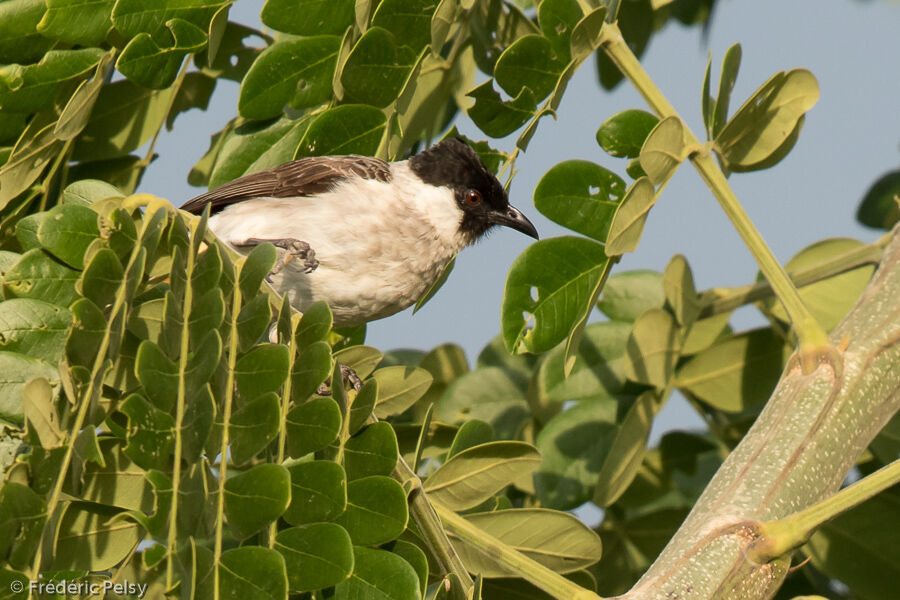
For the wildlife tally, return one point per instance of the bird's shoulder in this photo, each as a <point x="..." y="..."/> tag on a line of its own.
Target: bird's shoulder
<point x="301" y="177"/>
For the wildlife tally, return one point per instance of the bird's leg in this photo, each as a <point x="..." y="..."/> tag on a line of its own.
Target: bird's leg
<point x="292" y="249"/>
<point x="348" y="375"/>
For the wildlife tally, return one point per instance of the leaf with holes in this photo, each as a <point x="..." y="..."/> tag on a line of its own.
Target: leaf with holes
<point x="564" y="272"/>
<point x="580" y="195"/>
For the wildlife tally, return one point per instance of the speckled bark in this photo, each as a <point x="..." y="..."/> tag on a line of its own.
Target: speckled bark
<point x="798" y="452"/>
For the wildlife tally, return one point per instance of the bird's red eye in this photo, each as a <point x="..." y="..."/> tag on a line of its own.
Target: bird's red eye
<point x="473" y="197"/>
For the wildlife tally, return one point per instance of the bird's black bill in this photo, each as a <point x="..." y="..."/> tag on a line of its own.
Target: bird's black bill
<point x="513" y="218"/>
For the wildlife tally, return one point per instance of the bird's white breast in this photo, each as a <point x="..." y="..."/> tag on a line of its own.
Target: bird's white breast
<point x="379" y="245"/>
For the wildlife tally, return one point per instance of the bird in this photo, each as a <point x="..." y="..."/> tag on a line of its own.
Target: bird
<point x="367" y="236"/>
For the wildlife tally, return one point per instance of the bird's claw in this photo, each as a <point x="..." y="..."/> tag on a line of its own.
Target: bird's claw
<point x="348" y="375"/>
<point x="293" y="249"/>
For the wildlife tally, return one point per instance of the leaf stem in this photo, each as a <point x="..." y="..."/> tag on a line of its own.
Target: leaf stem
<point x="226" y="418"/>
<point x="285" y="404"/>
<point x="535" y="573"/>
<point x="180" y="400"/>
<point x="783" y="535"/>
<point x="812" y="338"/>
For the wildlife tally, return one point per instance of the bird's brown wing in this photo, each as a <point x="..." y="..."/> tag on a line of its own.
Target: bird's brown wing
<point x="302" y="177"/>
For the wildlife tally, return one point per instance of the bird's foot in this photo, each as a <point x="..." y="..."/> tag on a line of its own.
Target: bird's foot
<point x="293" y="249"/>
<point x="348" y="375"/>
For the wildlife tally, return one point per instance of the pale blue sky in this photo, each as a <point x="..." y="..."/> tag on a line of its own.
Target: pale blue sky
<point x="851" y="137"/>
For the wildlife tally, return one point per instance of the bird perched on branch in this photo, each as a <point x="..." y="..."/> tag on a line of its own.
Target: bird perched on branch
<point x="366" y="236"/>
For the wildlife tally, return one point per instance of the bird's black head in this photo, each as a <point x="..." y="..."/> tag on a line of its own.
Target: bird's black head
<point x="454" y="164"/>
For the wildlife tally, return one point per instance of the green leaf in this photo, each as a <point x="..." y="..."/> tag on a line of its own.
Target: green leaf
<point x="599" y="370"/>
<point x="152" y="65"/>
<point x="318" y="492"/>
<point x="256" y="497"/>
<point x="22" y="517"/>
<point x="859" y="547"/>
<point x="564" y="272"/>
<point x="631" y="214"/>
<point x="576" y="446"/>
<point x="627" y="450"/>
<point x="490" y="394"/>
<point x="441" y="21"/>
<point x="252" y="322"/>
<point x="19" y="39"/>
<point x="557" y="540"/>
<point x="256" y="146"/>
<point x="653" y="348"/>
<point x="399" y="388"/>
<point x="624" y="133"/>
<point x="372" y="451"/>
<point x="831" y="299"/>
<point x="376" y="69"/>
<point x="253" y="572"/>
<point x="158" y="374"/>
<point x="629" y="293"/>
<point x="124" y="117"/>
<point x="89" y="539"/>
<point x="678" y="285"/>
<point x="295" y="72"/>
<point x="77" y="21"/>
<point x="308" y="17"/>
<point x="37" y="275"/>
<point x="67" y="231"/>
<point x="362" y="359"/>
<point x="768" y="120"/>
<point x="586" y="34"/>
<point x="408" y="20"/>
<point x="37" y="146"/>
<point x="102" y="277"/>
<point x="346" y="129"/>
<point x="706" y="100"/>
<point x="379" y="574"/>
<point x="89" y="191"/>
<point x="879" y="207"/>
<point x="376" y="510"/>
<point x="74" y="117"/>
<point x="738" y="373"/>
<point x="471" y="433"/>
<point x="557" y="19"/>
<point x="496" y="117"/>
<point x="476" y="474"/>
<point x="529" y="63"/>
<point x="32" y="88"/>
<point x="580" y="195"/>
<point x="311" y="369"/>
<point x="412" y="554"/>
<point x="151" y="438"/>
<point x="312" y="426"/>
<point x="318" y="555"/>
<point x="132" y="17"/>
<point x="663" y="150"/>
<point x="731" y="63"/>
<point x="253" y="426"/>
<point x="15" y="371"/>
<point x="263" y="369"/>
<point x="35" y="328"/>
<point x="41" y="416"/>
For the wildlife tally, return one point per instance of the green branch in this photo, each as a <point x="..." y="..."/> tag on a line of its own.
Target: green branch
<point x="783" y="535"/>
<point x="430" y="525"/>
<point x="812" y="338"/>
<point x="718" y="300"/>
